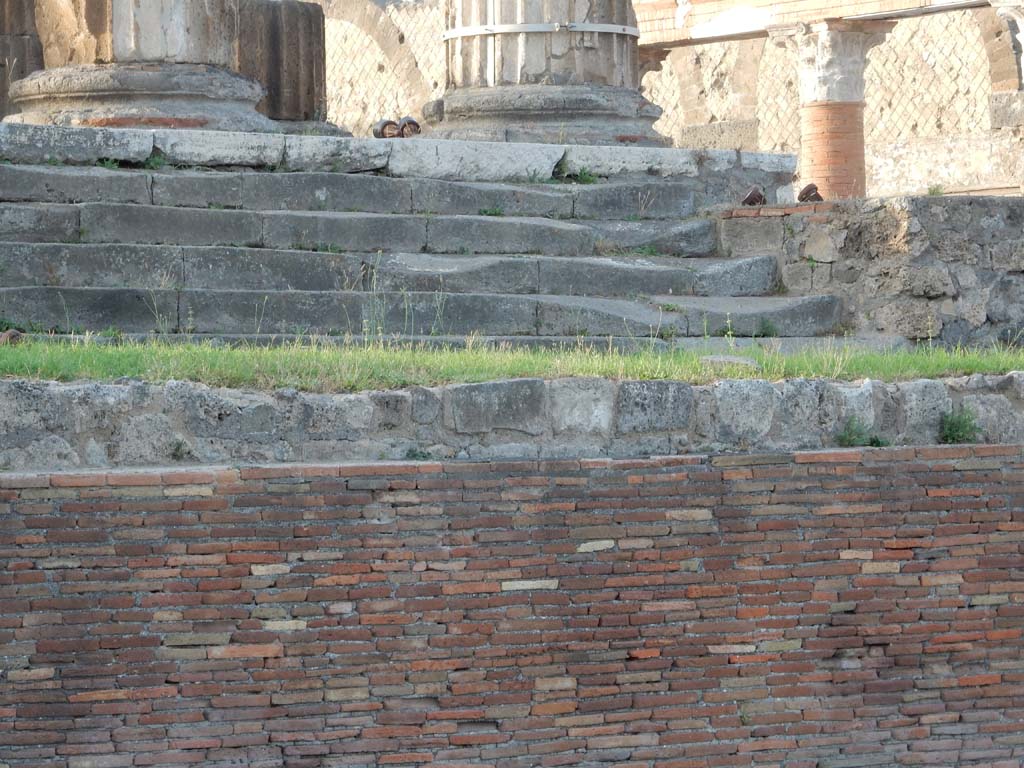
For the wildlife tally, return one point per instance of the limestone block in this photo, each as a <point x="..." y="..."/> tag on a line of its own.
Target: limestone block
<point x="516" y="405"/>
<point x="72" y="185"/>
<point x="581" y="406"/>
<point x="253" y="150"/>
<point x="923" y="405"/>
<point x="998" y="418"/>
<point x="654" y="406"/>
<point x="632" y="161"/>
<point x="336" y="154"/>
<point x="745" y="409"/>
<point x="1007" y="109"/>
<point x="38" y="144"/>
<point x="473" y="161"/>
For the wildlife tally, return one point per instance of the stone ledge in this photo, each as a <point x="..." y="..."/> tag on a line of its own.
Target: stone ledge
<point x="416" y="158"/>
<point x="105" y="426"/>
<point x="966" y="456"/>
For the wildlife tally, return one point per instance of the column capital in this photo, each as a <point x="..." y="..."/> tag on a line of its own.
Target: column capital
<point x="1011" y="8"/>
<point x="832" y="55"/>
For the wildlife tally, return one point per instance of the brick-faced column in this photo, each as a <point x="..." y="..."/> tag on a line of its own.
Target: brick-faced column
<point x="832" y="56"/>
<point x="832" y="148"/>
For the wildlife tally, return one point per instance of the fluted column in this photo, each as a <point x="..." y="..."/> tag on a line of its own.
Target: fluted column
<point x="282" y="46"/>
<point x="561" y="71"/>
<point x="20" y="52"/>
<point x="126" y="63"/>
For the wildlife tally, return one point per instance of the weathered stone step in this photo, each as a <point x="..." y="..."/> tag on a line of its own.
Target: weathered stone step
<point x="692" y="237"/>
<point x="720" y="175"/>
<point x="214" y="267"/>
<point x="266" y="191"/>
<point x="755" y="316"/>
<point x="336" y="232"/>
<point x="380" y="315"/>
<point x="625" y="276"/>
<point x="716" y="345"/>
<point x="325" y="231"/>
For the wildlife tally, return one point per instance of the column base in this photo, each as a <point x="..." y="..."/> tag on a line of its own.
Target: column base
<point x="144" y="95"/>
<point x="546" y="114"/>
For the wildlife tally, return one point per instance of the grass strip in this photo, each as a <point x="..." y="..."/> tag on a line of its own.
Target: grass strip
<point x="328" y="367"/>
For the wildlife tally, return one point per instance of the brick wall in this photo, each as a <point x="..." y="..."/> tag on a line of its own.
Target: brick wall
<point x="853" y="608"/>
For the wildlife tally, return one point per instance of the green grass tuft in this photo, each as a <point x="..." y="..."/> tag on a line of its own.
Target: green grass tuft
<point x="856" y="435"/>
<point x="959" y="426"/>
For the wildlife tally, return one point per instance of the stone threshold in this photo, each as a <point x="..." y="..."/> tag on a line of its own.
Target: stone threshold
<point x="776" y="211"/>
<point x="410" y="158"/>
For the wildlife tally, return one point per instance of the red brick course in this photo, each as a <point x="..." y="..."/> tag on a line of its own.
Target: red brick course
<point x="848" y="608"/>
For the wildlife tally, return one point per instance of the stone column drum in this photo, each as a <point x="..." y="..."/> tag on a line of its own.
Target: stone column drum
<point x="139" y="63"/>
<point x="282" y="45"/>
<point x="832" y="56"/>
<point x="553" y="71"/>
<point x="20" y="52"/>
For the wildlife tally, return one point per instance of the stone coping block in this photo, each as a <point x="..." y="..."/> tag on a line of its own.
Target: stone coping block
<point x="962" y="457"/>
<point x="417" y="158"/>
<point x="49" y="425"/>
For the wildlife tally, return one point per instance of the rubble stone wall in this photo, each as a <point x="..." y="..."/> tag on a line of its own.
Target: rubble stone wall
<point x="53" y="425"/>
<point x="944" y="268"/>
<point x="834" y="609"/>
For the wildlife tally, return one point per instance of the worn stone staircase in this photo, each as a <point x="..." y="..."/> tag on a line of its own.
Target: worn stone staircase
<point x="238" y="249"/>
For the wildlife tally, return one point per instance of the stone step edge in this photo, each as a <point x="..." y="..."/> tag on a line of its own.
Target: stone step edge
<point x="712" y="345"/>
<point x="413" y="312"/>
<point x="699" y="217"/>
<point x="408" y="158"/>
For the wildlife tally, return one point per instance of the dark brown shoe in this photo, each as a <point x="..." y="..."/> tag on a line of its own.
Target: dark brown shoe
<point x="810" y="194"/>
<point x="408" y="127"/>
<point x="386" y="129"/>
